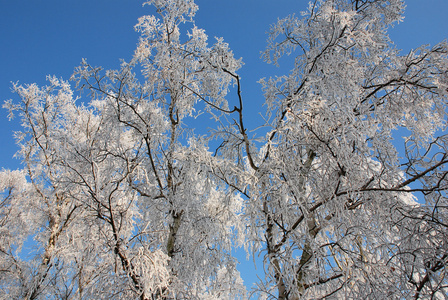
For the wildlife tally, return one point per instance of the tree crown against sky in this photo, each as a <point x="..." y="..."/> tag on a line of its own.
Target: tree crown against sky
<point x="124" y="200"/>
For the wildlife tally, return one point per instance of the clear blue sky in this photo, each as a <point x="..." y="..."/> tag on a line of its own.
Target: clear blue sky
<point x="50" y="37"/>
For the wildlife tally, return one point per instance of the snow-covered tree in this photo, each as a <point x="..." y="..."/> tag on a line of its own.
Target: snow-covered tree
<point x="340" y="213"/>
<point x="122" y="200"/>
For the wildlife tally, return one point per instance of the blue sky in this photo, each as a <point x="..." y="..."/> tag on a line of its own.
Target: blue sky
<point x="50" y="37"/>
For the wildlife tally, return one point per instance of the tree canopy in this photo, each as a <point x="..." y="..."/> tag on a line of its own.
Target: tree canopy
<point x="123" y="199"/>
